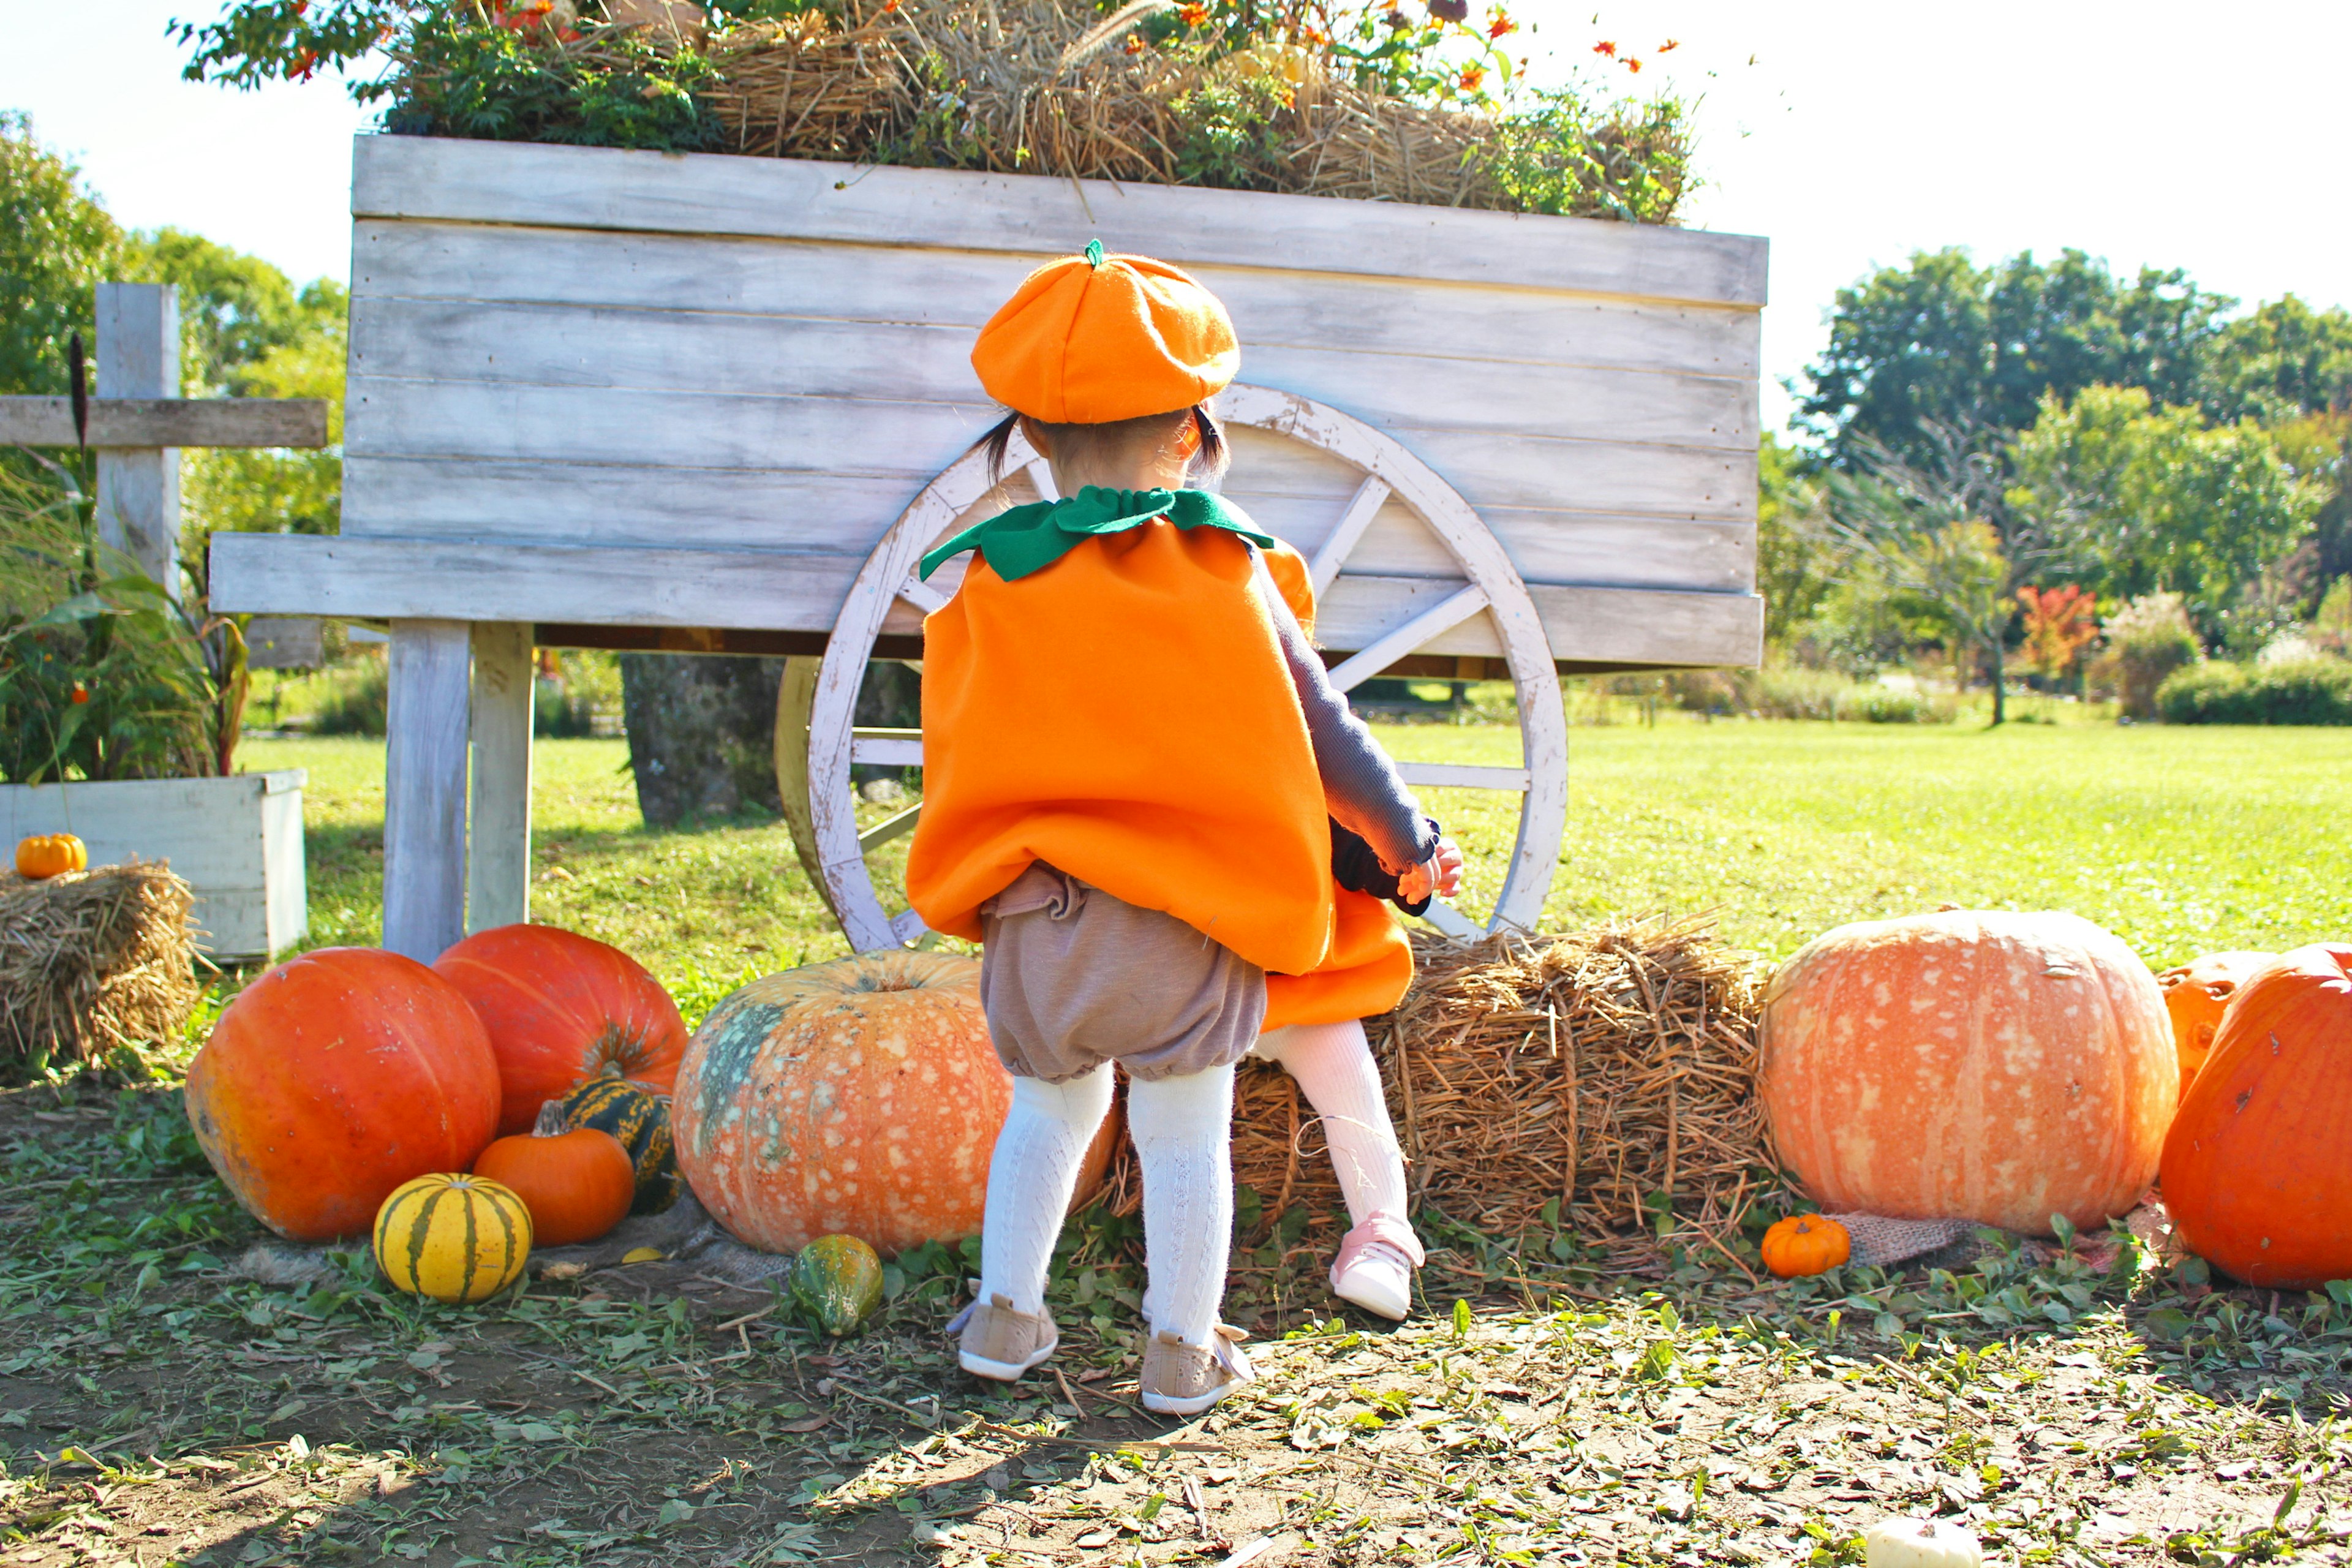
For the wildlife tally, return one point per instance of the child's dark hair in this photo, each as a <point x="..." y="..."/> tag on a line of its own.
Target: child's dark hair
<point x="1210" y="460"/>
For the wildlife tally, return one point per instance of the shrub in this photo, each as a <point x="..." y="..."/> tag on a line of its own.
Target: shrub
<point x="1870" y="704"/>
<point x="355" y="697"/>
<point x="2295" y="691"/>
<point x="2147" y="640"/>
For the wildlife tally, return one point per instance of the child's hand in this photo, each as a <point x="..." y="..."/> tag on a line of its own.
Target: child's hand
<point x="1440" y="874"/>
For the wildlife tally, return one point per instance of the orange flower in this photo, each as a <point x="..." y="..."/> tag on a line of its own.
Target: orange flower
<point x="1499" y="24"/>
<point x="889" y="6"/>
<point x="1194" y="16"/>
<point x="80" y="692"/>
<point x="1670" y="46"/>
<point x="1134" y="43"/>
<point x="1472" y="77"/>
<point x="1635" y="66"/>
<point x="1605" y="48"/>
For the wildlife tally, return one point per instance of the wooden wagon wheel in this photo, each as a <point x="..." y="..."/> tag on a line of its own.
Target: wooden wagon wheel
<point x="818" y="697"/>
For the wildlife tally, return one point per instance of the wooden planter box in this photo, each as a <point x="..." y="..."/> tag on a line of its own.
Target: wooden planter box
<point x="238" y="841"/>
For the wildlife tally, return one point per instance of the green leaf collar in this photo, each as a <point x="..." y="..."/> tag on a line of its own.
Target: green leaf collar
<point x="1028" y="538"/>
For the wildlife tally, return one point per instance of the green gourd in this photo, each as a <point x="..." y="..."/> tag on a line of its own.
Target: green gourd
<point x="837" y="1282"/>
<point x="641" y="1122"/>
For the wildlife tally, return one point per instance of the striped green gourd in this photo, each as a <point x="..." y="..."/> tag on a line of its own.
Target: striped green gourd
<point x="641" y="1122"/>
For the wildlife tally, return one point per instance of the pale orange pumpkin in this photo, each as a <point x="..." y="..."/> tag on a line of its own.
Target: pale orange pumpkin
<point x="1975" y="1065"/>
<point x="860" y="1095"/>
<point x="46" y="855"/>
<point x="2196" y="993"/>
<point x="1805" y="1244"/>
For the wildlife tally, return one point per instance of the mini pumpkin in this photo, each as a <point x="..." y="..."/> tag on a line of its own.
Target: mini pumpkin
<point x="641" y="1122"/>
<point x="455" y="1237"/>
<point x="2196" y="993"/>
<point x="577" y="1182"/>
<point x="1806" y="1244"/>
<point x="46" y="855"/>
<point x="837" y="1280"/>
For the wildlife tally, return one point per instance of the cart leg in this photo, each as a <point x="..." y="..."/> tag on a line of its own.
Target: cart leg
<point x="795" y="696"/>
<point x="498" y="840"/>
<point x="425" y="789"/>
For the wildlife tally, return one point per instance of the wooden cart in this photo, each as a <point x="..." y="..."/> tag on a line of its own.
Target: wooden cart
<point x="720" y="405"/>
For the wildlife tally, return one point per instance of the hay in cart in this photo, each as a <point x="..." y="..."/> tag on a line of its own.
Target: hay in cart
<point x="91" y="961"/>
<point x="1609" y="1069"/>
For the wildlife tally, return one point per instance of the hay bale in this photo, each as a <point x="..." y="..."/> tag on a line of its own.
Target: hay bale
<point x="1597" y="1066"/>
<point x="93" y="960"/>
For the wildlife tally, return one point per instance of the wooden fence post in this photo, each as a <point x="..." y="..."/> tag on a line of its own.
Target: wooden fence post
<point x="426" y="728"/>
<point x="138" y="487"/>
<point x="498" y="841"/>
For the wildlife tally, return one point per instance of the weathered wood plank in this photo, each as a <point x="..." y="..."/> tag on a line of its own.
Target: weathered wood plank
<point x="705" y="430"/>
<point x="502" y="264"/>
<point x="691" y="351"/>
<point x="425" y="787"/>
<point x="167" y="421"/>
<point x="498" y="827"/>
<point x="138" y="487"/>
<point x="578" y="188"/>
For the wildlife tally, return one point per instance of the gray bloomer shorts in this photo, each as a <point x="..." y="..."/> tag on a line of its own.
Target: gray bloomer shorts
<point x="1073" y="978"/>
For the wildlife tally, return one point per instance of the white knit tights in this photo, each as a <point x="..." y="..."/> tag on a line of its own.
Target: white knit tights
<point x="1182" y="1128"/>
<point x="1333" y="1064"/>
<point x="1030" y="1179"/>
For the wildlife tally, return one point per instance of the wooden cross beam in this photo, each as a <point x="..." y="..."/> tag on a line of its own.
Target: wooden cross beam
<point x="138" y="422"/>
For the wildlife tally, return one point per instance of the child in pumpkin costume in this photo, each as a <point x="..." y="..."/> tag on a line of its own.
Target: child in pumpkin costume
<point x="1132" y="762"/>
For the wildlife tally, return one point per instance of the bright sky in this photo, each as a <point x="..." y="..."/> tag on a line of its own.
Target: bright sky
<point x="2159" y="134"/>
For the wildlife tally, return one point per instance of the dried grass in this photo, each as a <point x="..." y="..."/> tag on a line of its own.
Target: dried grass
<point x="93" y="960"/>
<point x="1597" y="1068"/>
<point x="1040" y="87"/>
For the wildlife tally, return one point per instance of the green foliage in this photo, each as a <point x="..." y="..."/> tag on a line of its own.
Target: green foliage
<point x="2291" y="692"/>
<point x="2280" y="360"/>
<point x="457" y="74"/>
<point x="1554" y="154"/>
<point x="56" y="243"/>
<point x="2147" y="641"/>
<point x="1796" y="562"/>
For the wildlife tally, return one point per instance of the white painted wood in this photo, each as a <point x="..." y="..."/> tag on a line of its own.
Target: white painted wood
<point x="1341" y="542"/>
<point x="922" y="595"/>
<point x="166" y="422"/>
<point x="1452" y="921"/>
<point x="835" y="742"/>
<point x="800" y="280"/>
<point x="285" y="642"/>
<point x="498" y="826"/>
<point x="1410" y="637"/>
<point x="573" y="188"/>
<point x="236" y="841"/>
<point x="425" y="788"/>
<point x="138" y="489"/>
<point x="1465" y="775"/>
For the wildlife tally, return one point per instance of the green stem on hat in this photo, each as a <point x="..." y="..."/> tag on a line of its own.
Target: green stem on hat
<point x="1093" y="253"/>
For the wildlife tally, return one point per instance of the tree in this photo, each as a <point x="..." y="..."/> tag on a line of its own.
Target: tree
<point x="2060" y="623"/>
<point x="1943" y="341"/>
<point x="1796" y="562"/>
<point x="2282" y="360"/>
<point x="235" y="310"/>
<point x="2164" y="502"/>
<point x="55" y="244"/>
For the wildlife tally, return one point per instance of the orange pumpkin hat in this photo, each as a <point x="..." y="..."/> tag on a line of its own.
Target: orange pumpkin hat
<point x="1093" y="338"/>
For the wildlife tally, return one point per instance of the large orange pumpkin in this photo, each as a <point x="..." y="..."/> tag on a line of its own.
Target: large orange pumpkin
<point x="1972" y="1065"/>
<point x="2258" y="1166"/>
<point x="2195" y="994"/>
<point x="334" y="1079"/>
<point x="561" y="1008"/>
<point x="860" y="1097"/>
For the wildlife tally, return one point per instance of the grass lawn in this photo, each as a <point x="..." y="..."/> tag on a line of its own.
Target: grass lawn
<point x="2180" y="840"/>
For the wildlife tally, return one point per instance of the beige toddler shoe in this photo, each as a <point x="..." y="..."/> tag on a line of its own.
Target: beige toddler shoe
<point x="1181" y="1379"/>
<point x="1001" y="1341"/>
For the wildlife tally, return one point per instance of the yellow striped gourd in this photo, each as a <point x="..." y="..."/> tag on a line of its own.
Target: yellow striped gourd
<point x="641" y="1122"/>
<point x="455" y="1237"/>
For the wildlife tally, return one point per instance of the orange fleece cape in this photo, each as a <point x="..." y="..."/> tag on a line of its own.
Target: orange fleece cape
<point x="1369" y="966"/>
<point x="1126" y="715"/>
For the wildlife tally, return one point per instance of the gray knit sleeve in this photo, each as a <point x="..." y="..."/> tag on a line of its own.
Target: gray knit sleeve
<point x="1361" y="787"/>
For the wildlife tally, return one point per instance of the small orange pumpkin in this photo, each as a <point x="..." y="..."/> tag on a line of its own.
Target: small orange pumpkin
<point x="2196" y="993"/>
<point x="46" y="855"/>
<point x="577" y="1182"/>
<point x="1806" y="1244"/>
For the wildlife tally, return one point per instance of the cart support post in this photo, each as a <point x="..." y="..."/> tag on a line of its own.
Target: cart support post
<point x="497" y="831"/>
<point x="138" y="489"/>
<point x="426" y="728"/>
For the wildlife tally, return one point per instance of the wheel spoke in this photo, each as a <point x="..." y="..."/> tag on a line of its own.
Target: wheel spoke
<point x="886" y="748"/>
<point x="1362" y="507"/>
<point x="922" y="595"/>
<point x="1463" y="775"/>
<point x="889" y="827"/>
<point x="1394" y="645"/>
<point x="1452" y="921"/>
<point x="908" y="927"/>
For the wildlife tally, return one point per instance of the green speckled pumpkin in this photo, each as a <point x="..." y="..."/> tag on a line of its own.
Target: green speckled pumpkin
<point x="641" y="1122"/>
<point x="837" y="1280"/>
<point x="860" y="1097"/>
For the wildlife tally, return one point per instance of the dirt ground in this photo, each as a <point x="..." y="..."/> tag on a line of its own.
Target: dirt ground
<point x="2094" y="1406"/>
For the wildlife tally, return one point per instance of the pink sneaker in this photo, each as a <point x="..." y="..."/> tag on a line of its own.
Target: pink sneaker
<point x="1374" y="1268"/>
